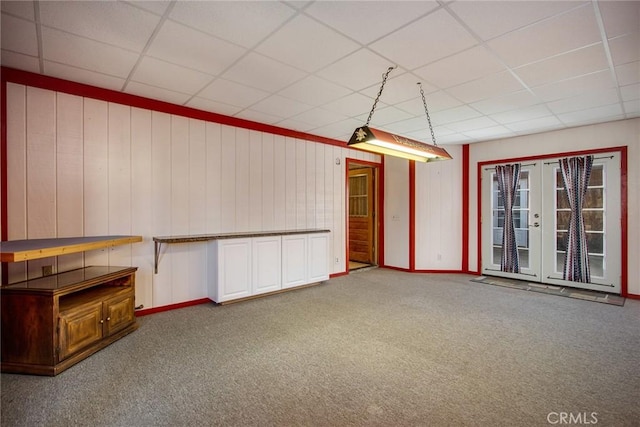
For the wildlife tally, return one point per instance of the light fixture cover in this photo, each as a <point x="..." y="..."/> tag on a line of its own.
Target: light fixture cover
<point x="382" y="142"/>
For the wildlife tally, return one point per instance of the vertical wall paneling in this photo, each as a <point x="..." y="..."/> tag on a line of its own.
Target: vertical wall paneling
<point x="161" y="188"/>
<point x="41" y="170"/>
<point x="310" y="191"/>
<point x="197" y="263"/>
<point x="268" y="179"/>
<point x="119" y="180"/>
<point x="318" y="191"/>
<point x="338" y="193"/>
<point x="96" y="177"/>
<point x="228" y="179"/>
<point x="396" y="200"/>
<point x="213" y="177"/>
<point x="242" y="180"/>
<point x="69" y="174"/>
<point x="280" y="195"/>
<point x="255" y="207"/>
<point x="141" y="204"/>
<point x="330" y="169"/>
<point x="180" y="147"/>
<point x="16" y="173"/>
<point x="290" y="183"/>
<point x="301" y="184"/>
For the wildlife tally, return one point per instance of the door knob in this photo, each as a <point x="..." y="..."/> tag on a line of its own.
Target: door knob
<point x="536" y="224"/>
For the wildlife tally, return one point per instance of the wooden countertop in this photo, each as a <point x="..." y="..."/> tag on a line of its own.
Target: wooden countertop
<point x="24" y="250"/>
<point x="205" y="237"/>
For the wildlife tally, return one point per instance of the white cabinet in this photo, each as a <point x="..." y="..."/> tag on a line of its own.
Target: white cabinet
<point x="229" y="269"/>
<point x="266" y="271"/>
<point x="318" y="257"/>
<point x="305" y="259"/>
<point x="243" y="267"/>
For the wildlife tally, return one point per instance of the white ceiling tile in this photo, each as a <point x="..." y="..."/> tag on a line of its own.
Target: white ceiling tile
<point x="620" y="17"/>
<point x="242" y="22"/>
<point x="456" y="138"/>
<point x="632" y="108"/>
<point x="453" y="115"/>
<point x="630" y="92"/>
<point x="155" y="72"/>
<point x="549" y="122"/>
<point x="190" y="48"/>
<point x="516" y="100"/>
<point x="306" y="44"/>
<point x="386" y="115"/>
<point x="158" y="93"/>
<point x="342" y="129"/>
<point x="231" y="93"/>
<point x="489" y="19"/>
<point x="352" y="105"/>
<point x="575" y="86"/>
<point x="257" y="116"/>
<point x="313" y="90"/>
<point x="377" y="18"/>
<point x="115" y="23"/>
<point x="486" y="87"/>
<point x="460" y="68"/>
<point x="19" y="36"/>
<point x="319" y="117"/>
<point x="405" y="127"/>
<point x="471" y="124"/>
<point x="358" y="70"/>
<point x="263" y="73"/>
<point x="22" y="9"/>
<point x="521" y="114"/>
<point x="436" y="101"/>
<point x="297" y="3"/>
<point x="584" y="101"/>
<point x="491" y="132"/>
<point x="625" y="48"/>
<point x="559" y="34"/>
<point x="431" y="38"/>
<point x="425" y="134"/>
<point x="213" y="106"/>
<point x="628" y="73"/>
<point x="83" y="76"/>
<point x="590" y="114"/>
<point x="20" y="61"/>
<point x="280" y="106"/>
<point x="80" y="52"/>
<point x="399" y="88"/>
<point x="155" y="6"/>
<point x="294" y="124"/>
<point x="575" y="63"/>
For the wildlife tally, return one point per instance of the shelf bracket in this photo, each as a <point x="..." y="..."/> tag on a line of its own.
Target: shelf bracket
<point x="157" y="245"/>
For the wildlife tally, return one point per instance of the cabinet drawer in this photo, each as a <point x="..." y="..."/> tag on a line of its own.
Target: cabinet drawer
<point x="119" y="313"/>
<point x="79" y="328"/>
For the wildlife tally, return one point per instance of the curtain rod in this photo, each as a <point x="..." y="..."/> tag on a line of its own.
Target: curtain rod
<point x="552" y="163"/>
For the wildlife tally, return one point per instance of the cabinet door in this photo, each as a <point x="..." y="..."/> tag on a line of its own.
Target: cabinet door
<point x="79" y="328"/>
<point x="318" y="257"/>
<point x="294" y="260"/>
<point x="119" y="313"/>
<point x="234" y="269"/>
<point x="267" y="264"/>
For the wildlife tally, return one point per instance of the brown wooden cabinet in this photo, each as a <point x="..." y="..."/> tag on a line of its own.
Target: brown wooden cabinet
<point x="53" y="322"/>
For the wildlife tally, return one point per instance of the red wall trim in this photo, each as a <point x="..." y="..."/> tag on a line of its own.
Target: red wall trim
<point x="465" y="208"/>
<point x="623" y="201"/>
<point x="80" y="89"/>
<point x="633" y="296"/>
<point x="4" y="222"/>
<point x="344" y="273"/>
<point x="140" y="313"/>
<point x="412" y="215"/>
<point x="379" y="189"/>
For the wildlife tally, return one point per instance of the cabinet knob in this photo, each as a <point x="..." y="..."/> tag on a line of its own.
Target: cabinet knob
<point x="108" y="318"/>
<point x="101" y="321"/>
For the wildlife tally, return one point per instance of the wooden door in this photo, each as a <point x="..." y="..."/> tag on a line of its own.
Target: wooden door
<point x="361" y="215"/>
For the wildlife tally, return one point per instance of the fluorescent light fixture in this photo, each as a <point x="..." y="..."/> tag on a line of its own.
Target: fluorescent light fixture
<point x="382" y="142"/>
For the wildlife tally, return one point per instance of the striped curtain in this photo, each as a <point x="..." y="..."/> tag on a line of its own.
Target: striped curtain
<point x="576" y="172"/>
<point x="508" y="179"/>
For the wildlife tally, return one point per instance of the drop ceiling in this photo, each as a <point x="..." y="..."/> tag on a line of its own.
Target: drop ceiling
<point x="489" y="69"/>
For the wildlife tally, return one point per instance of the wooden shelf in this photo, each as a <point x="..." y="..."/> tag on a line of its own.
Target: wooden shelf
<point x="24" y="250"/>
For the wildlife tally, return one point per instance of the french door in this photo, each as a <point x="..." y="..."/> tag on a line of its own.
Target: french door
<point x="541" y="213"/>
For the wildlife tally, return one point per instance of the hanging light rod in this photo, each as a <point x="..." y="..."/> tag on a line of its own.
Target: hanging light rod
<point x="381" y="142"/>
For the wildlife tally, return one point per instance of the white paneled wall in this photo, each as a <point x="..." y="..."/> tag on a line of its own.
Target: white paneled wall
<point x="438" y="213"/>
<point x="80" y="166"/>
<point x="396" y="212"/>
